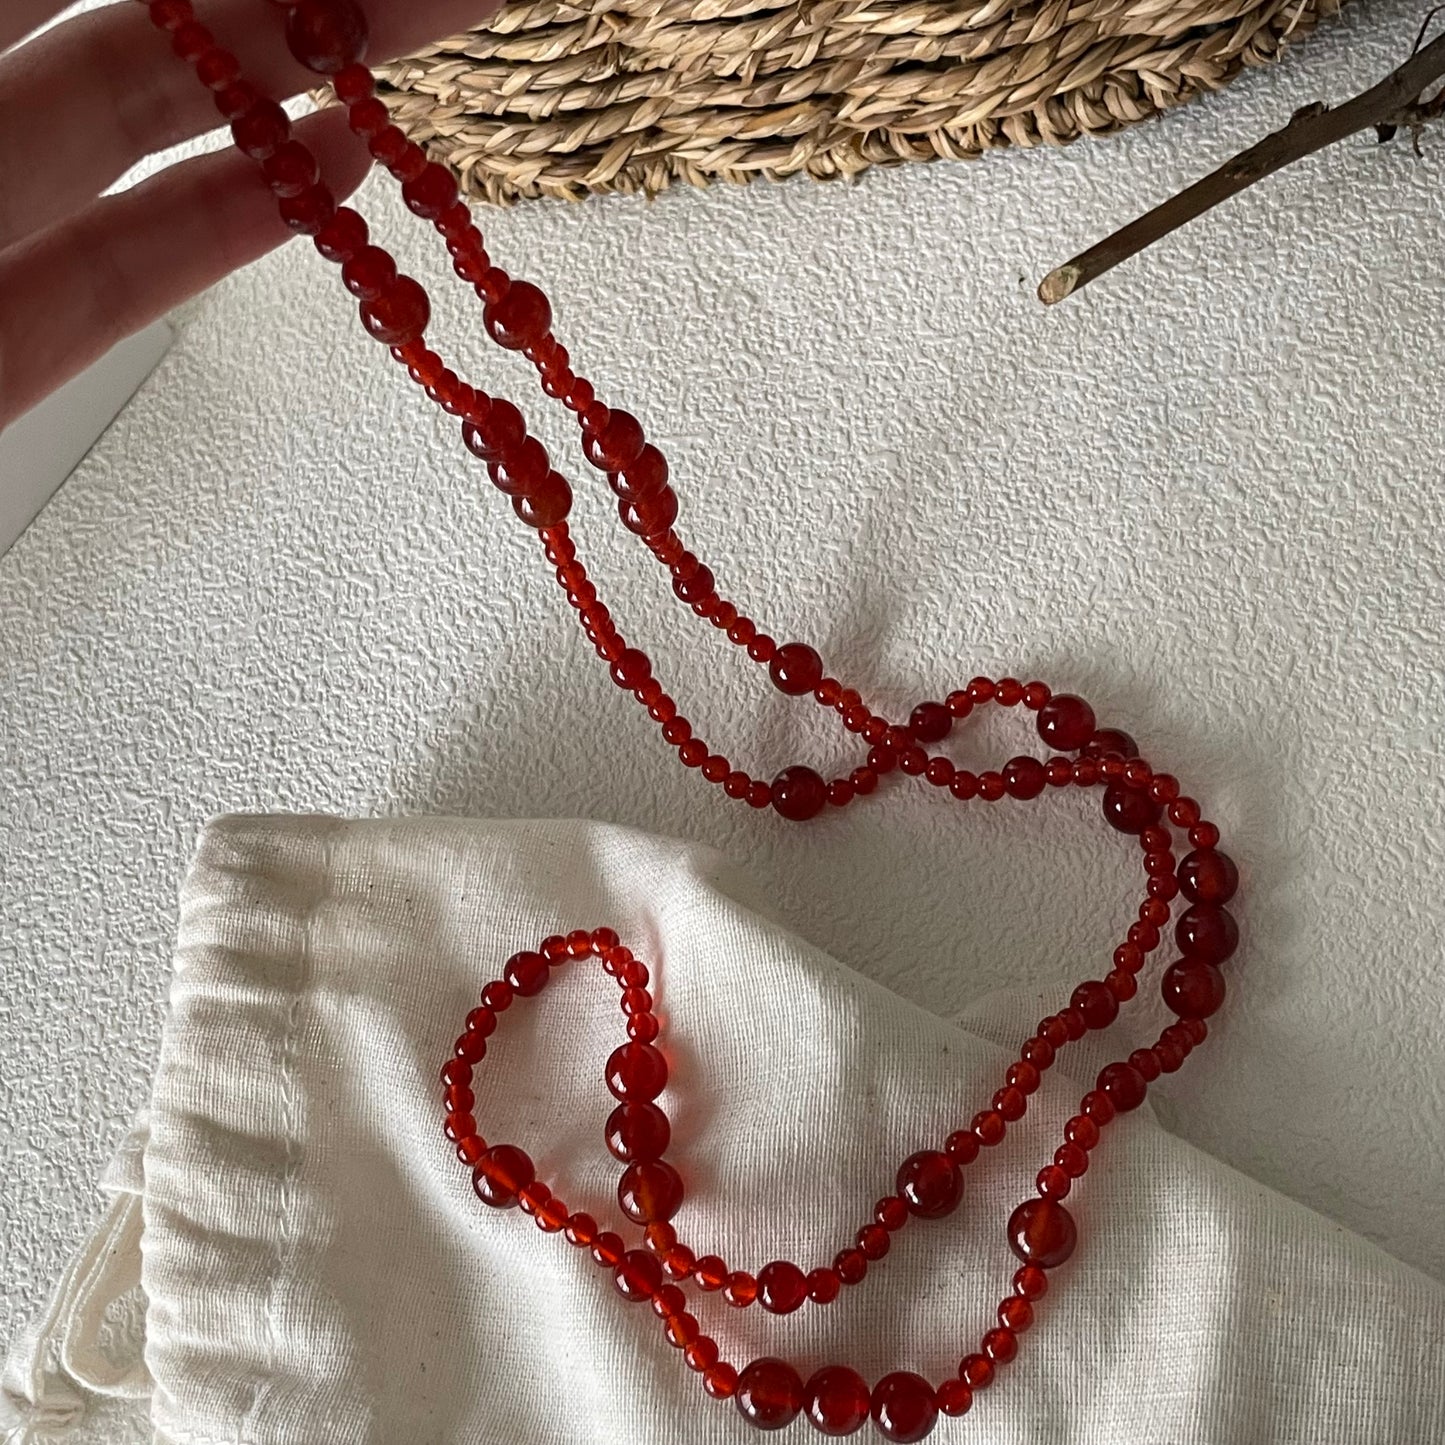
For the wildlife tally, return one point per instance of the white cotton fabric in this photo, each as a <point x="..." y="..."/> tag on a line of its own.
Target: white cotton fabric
<point x="317" y="1268"/>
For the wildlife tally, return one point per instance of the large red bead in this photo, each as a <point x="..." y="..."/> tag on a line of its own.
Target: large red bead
<point x="782" y="1287"/>
<point x="618" y="441"/>
<point x="799" y="794"/>
<point x="637" y="1133"/>
<point x="1130" y="810"/>
<point x="795" y="669"/>
<point x="527" y="973"/>
<point x="501" y="1172"/>
<point x="1065" y="722"/>
<point x="1192" y="988"/>
<point x="1208" y="876"/>
<point x="547" y="505"/>
<point x="904" y="1406"/>
<point x="1123" y="1085"/>
<point x="520" y="318"/>
<point x="399" y="314"/>
<point x="636" y="1072"/>
<point x="1111" y="740"/>
<point x="930" y="1183"/>
<point x="638" y="1275"/>
<point x="1042" y="1232"/>
<point x="326" y="35"/>
<point x="836" y="1401"/>
<point x="930" y="722"/>
<point x="649" y="516"/>
<point x="769" y="1394"/>
<point x="1095" y="1003"/>
<point x="650" y="1193"/>
<point x="644" y="476"/>
<point x="1207" y="931"/>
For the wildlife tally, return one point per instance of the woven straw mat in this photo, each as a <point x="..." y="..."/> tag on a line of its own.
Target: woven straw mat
<point x="554" y="99"/>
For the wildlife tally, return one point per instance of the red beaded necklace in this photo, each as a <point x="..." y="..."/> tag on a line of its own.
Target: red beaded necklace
<point x="329" y="38"/>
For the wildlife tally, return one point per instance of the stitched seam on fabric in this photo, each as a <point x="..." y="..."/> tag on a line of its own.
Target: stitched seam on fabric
<point x="285" y="1232"/>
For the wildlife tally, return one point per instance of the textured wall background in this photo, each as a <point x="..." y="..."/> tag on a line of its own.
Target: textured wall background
<point x="1207" y="494"/>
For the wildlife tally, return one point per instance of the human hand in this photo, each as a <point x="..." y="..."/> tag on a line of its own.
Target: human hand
<point x="85" y="101"/>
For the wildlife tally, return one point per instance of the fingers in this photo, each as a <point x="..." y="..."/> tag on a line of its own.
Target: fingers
<point x="85" y="101"/>
<point x="68" y="294"/>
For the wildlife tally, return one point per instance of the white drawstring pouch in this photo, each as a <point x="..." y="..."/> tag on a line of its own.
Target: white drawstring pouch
<point x="292" y="1253"/>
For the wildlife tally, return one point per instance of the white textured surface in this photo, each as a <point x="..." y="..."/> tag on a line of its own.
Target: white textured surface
<point x="1207" y="496"/>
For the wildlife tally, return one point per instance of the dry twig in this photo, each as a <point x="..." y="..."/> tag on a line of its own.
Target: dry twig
<point x="1397" y="101"/>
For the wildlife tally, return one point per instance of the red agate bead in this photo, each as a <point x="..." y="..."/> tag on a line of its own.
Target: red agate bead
<point x="650" y="1193"/>
<point x="904" y="1406"/>
<point x="930" y="1184"/>
<point x="636" y="1072"/>
<point x="1208" y="876"/>
<point x="1065" y="722"/>
<point x="836" y="1401"/>
<point x="782" y="1287"/>
<point x="799" y="794"/>
<point x="326" y="35"/>
<point x="1042" y="1232"/>
<point x="501" y="1173"/>
<point x="795" y="669"/>
<point x="1207" y="931"/>
<point x="637" y="1132"/>
<point x="769" y="1394"/>
<point x="1192" y="988"/>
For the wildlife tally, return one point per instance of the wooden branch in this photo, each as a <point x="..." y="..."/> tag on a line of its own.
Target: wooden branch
<point x="1394" y="102"/>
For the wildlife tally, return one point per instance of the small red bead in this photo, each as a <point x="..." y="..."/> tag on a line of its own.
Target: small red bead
<point x="701" y="1354"/>
<point x="1042" y="1232"/>
<point x="904" y="1407"/>
<point x="1052" y="1182"/>
<point x="959" y="703"/>
<point x="1204" y="836"/>
<point x="990" y="1127"/>
<point x="711" y="1273"/>
<point x="874" y="1241"/>
<point x="1145" y="1062"/>
<point x="581" y="1231"/>
<point x="1097" y="1107"/>
<point x="954" y="1398"/>
<point x="262" y="130"/>
<point x="1011" y="1103"/>
<point x="650" y="1192"/>
<point x="326" y="35"/>
<point x="980" y="689"/>
<point x="851" y="1265"/>
<point x="615" y="444"/>
<point x="1030" y="1282"/>
<point x="836" y="1401"/>
<point x="823" y="1286"/>
<point x="720" y="1381"/>
<point x="769" y="1394"/>
<point x="976" y="1371"/>
<point x="891" y="1212"/>
<point x="1008" y="692"/>
<point x="1123" y="1085"/>
<point x="1000" y="1345"/>
<point x="795" y="669"/>
<point x="962" y="1146"/>
<point x="741" y="1289"/>
<point x="782" y="1287"/>
<point x="1065" y="723"/>
<point x="519" y="318"/>
<point x="1016" y="1314"/>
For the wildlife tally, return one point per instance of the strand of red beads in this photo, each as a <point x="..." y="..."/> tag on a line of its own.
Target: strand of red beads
<point x="329" y="37"/>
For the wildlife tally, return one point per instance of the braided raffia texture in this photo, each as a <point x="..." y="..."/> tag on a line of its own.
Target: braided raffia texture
<point x="554" y="99"/>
